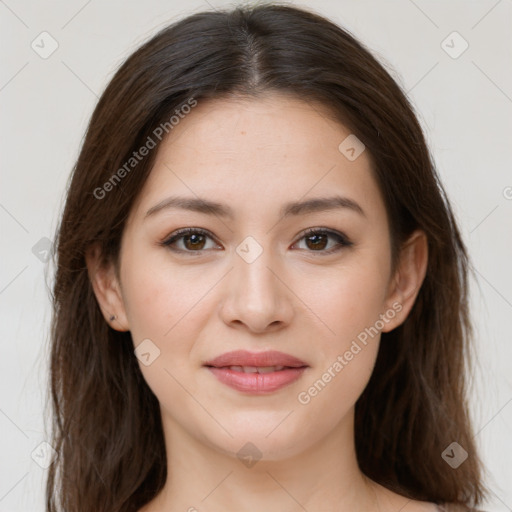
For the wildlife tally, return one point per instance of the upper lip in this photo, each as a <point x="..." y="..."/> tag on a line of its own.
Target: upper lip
<point x="258" y="359"/>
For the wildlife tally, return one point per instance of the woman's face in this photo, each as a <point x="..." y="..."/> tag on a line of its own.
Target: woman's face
<point x="253" y="280"/>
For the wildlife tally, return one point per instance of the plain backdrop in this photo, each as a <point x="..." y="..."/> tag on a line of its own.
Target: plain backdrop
<point x="463" y="97"/>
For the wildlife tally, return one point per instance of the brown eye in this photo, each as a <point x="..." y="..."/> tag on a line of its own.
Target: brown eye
<point x="193" y="240"/>
<point x="317" y="240"/>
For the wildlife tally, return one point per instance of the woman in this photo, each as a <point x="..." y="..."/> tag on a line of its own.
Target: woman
<point x="261" y="291"/>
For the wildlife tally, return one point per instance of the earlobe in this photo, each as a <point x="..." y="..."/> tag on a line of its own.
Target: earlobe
<point x="106" y="289"/>
<point x="408" y="278"/>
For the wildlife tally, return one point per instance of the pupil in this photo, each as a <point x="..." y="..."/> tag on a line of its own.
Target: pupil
<point x="316" y="244"/>
<point x="194" y="239"/>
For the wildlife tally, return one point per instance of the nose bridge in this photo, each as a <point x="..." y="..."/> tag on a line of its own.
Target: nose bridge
<point x="253" y="276"/>
<point x="255" y="295"/>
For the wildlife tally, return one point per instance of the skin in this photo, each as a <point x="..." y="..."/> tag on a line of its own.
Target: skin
<point x="255" y="155"/>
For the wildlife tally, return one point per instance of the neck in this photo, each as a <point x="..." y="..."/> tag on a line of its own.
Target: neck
<point x="324" y="477"/>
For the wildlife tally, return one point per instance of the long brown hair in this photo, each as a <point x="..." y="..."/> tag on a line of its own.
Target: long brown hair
<point x="106" y="426"/>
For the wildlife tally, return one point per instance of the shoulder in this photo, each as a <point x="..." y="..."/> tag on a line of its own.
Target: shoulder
<point x="390" y="500"/>
<point x="428" y="506"/>
<point x="452" y="507"/>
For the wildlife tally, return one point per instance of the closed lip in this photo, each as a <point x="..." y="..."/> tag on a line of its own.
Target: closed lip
<point x="257" y="359"/>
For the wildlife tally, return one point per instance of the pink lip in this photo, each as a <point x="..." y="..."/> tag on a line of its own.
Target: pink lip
<point x="256" y="383"/>
<point x="245" y="358"/>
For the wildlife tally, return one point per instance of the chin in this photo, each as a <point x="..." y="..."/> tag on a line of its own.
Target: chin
<point x="264" y="439"/>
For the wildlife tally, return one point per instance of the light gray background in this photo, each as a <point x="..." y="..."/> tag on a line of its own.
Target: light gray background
<point x="465" y="107"/>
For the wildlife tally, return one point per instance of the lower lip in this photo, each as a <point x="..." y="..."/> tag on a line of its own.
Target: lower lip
<point x="257" y="383"/>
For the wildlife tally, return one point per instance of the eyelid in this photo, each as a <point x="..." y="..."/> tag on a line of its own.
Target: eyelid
<point x="342" y="239"/>
<point x="179" y="233"/>
<point x="328" y="231"/>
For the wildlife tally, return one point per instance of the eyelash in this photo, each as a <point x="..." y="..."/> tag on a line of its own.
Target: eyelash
<point x="342" y="240"/>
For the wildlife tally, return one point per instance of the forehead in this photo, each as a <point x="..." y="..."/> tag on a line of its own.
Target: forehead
<point x="259" y="154"/>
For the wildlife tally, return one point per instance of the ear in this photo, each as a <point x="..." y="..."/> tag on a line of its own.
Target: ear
<point x="107" y="289"/>
<point x="408" y="278"/>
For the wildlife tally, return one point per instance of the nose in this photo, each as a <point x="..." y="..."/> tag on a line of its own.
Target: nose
<point x="257" y="296"/>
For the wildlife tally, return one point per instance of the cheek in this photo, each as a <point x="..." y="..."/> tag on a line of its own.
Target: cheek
<point x="331" y="393"/>
<point x="159" y="295"/>
<point x="149" y="305"/>
<point x="158" y="306"/>
<point x="168" y="306"/>
<point x="349" y="305"/>
<point x="347" y="301"/>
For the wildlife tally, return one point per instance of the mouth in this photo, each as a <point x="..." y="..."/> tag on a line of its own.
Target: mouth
<point x="256" y="373"/>
<point x="253" y="369"/>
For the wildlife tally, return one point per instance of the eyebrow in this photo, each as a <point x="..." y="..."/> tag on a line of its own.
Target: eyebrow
<point x="199" y="205"/>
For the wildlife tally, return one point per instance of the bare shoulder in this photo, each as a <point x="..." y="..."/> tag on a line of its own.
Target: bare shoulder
<point x="452" y="507"/>
<point x="426" y="506"/>
<point x="390" y="500"/>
